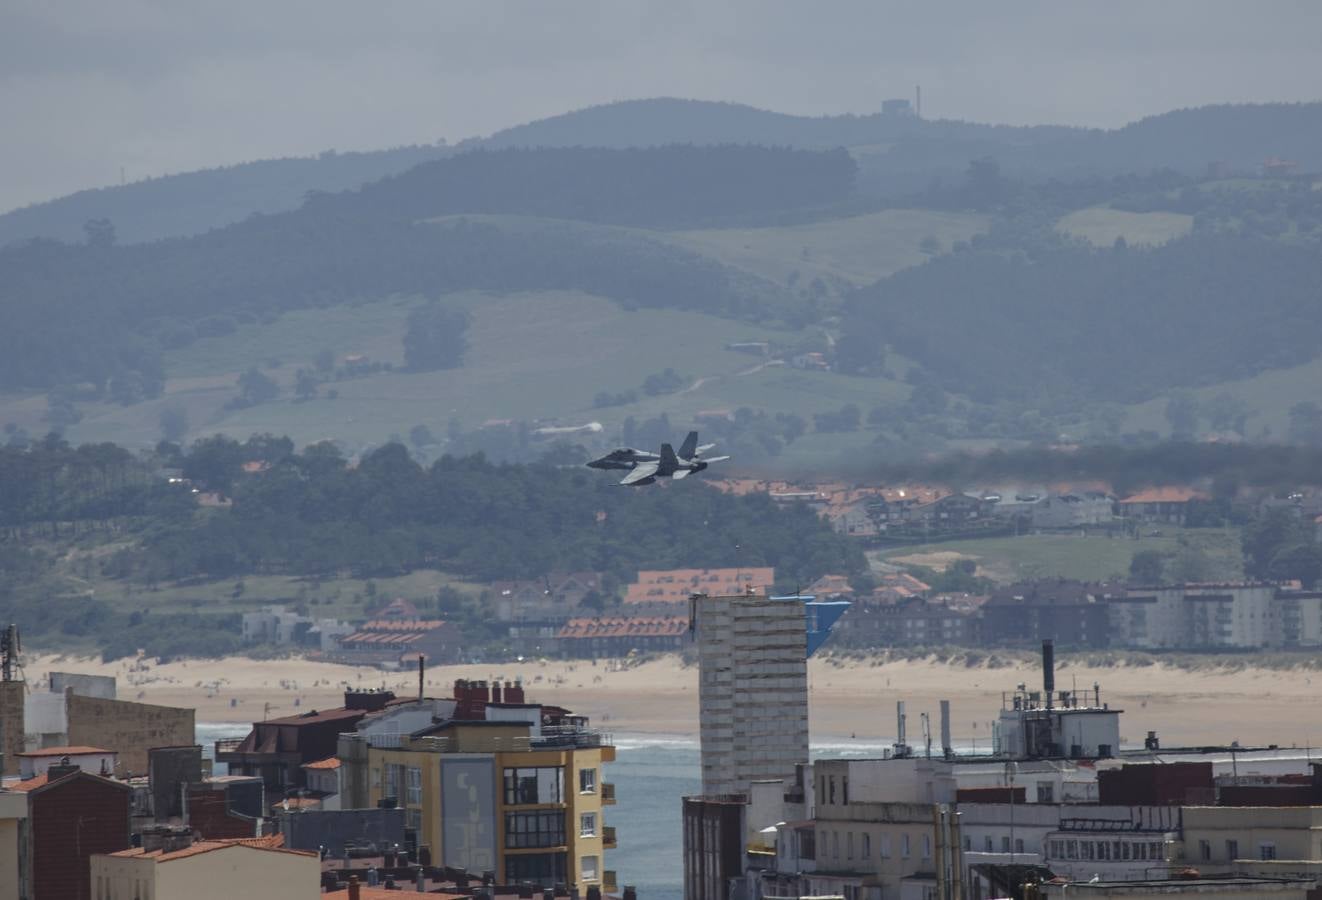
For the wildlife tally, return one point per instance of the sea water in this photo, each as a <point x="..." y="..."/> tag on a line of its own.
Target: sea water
<point x="652" y="774"/>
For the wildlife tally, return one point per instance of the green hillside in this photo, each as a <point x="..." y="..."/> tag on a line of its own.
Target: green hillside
<point x="858" y="250"/>
<point x="1101" y="226"/>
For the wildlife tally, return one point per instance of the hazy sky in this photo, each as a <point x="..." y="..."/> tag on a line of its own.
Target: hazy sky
<point x="158" y="86"/>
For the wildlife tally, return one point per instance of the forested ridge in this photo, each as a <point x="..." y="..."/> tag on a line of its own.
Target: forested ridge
<point x="1115" y="324"/>
<point x="311" y="512"/>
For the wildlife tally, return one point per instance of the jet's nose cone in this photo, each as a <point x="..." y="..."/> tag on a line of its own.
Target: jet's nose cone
<point x="595" y="464"/>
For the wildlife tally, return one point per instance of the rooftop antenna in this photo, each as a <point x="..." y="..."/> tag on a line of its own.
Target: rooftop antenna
<point x="927" y="734"/>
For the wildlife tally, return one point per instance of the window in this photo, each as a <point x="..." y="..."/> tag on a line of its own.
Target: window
<point x="543" y="868"/>
<point x="1018" y="845"/>
<point x="1045" y="792"/>
<point x="1232" y="850"/>
<point x="844" y="790"/>
<point x="587" y="825"/>
<point x="867" y="846"/>
<point x="835" y="845"/>
<point x="414" y="775"/>
<point x="987" y="844"/>
<point x="884" y="847"/>
<point x="587" y="781"/>
<point x="1204" y="850"/>
<point x="849" y="845"/>
<point x="539" y="785"/>
<point x="904" y="845"/>
<point x="413" y="819"/>
<point x="394" y="782"/>
<point x="545" y="828"/>
<point x="831" y="781"/>
<point x="588" y="865"/>
<point x="927" y="846"/>
<point x="1155" y="850"/>
<point x="1266" y="850"/>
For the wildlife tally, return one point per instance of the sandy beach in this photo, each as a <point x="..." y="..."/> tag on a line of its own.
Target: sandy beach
<point x="849" y="698"/>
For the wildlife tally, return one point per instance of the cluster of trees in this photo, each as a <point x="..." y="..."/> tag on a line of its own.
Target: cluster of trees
<point x="1063" y="322"/>
<point x="310" y="513"/>
<point x="1281" y="545"/>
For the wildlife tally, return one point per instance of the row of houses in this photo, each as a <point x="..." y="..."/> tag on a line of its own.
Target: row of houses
<point x="1225" y="616"/>
<point x="930" y="511"/>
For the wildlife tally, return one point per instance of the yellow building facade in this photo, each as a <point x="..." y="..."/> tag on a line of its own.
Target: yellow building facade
<point x="496" y="797"/>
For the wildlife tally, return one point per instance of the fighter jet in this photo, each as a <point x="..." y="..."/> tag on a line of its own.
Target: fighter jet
<point x="646" y="468"/>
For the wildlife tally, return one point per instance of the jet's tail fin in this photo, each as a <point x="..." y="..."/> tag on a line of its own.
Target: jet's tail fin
<point x="689" y="447"/>
<point x="668" y="458"/>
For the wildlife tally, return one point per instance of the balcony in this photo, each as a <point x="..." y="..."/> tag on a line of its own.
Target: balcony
<point x="554" y="737"/>
<point x="609" y="882"/>
<point x="608" y="837"/>
<point x="607" y="793"/>
<point x="228" y="745"/>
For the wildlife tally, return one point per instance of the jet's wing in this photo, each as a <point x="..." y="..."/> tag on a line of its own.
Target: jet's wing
<point x="640" y="472"/>
<point x="680" y="473"/>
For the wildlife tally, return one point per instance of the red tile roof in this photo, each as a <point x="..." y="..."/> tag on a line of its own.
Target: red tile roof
<point x="273" y="843"/>
<point x="63" y="751"/>
<point x="658" y="626"/>
<point x="330" y="762"/>
<point x="675" y="585"/>
<point x="31" y="784"/>
<point x="1168" y="494"/>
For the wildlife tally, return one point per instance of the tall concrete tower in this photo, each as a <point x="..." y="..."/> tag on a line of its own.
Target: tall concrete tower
<point x="752" y="689"/>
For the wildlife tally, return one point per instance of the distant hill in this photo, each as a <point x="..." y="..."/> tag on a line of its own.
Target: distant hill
<point x="897" y="155"/>
<point x="103" y="314"/>
<point x="193" y="202"/>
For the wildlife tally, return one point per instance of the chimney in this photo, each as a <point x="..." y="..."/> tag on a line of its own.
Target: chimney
<point x="946" y="749"/>
<point x="594" y="892"/>
<point x="630" y="892"/>
<point x="514" y="692"/>
<point x="1048" y="670"/>
<point x="422" y="675"/>
<point x="421" y="882"/>
<point x="354" y="893"/>
<point x="495" y="692"/>
<point x="62" y="769"/>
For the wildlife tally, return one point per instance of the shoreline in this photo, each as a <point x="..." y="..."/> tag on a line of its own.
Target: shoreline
<point x="851" y="700"/>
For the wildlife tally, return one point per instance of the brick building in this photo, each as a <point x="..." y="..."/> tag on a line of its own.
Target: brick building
<point x="72" y="815"/>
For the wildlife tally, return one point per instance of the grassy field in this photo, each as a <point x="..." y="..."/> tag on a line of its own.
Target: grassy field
<point x="532" y="356"/>
<point x="331" y="597"/>
<point x="1269" y="395"/>
<point x="858" y="250"/>
<point x="1092" y="558"/>
<point x="1100" y="226"/>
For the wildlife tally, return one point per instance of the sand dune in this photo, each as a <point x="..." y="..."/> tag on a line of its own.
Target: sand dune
<point x="849" y="699"/>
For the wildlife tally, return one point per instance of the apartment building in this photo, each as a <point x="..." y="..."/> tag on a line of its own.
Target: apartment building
<point x="519" y="792"/>
<point x="1270" y="841"/>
